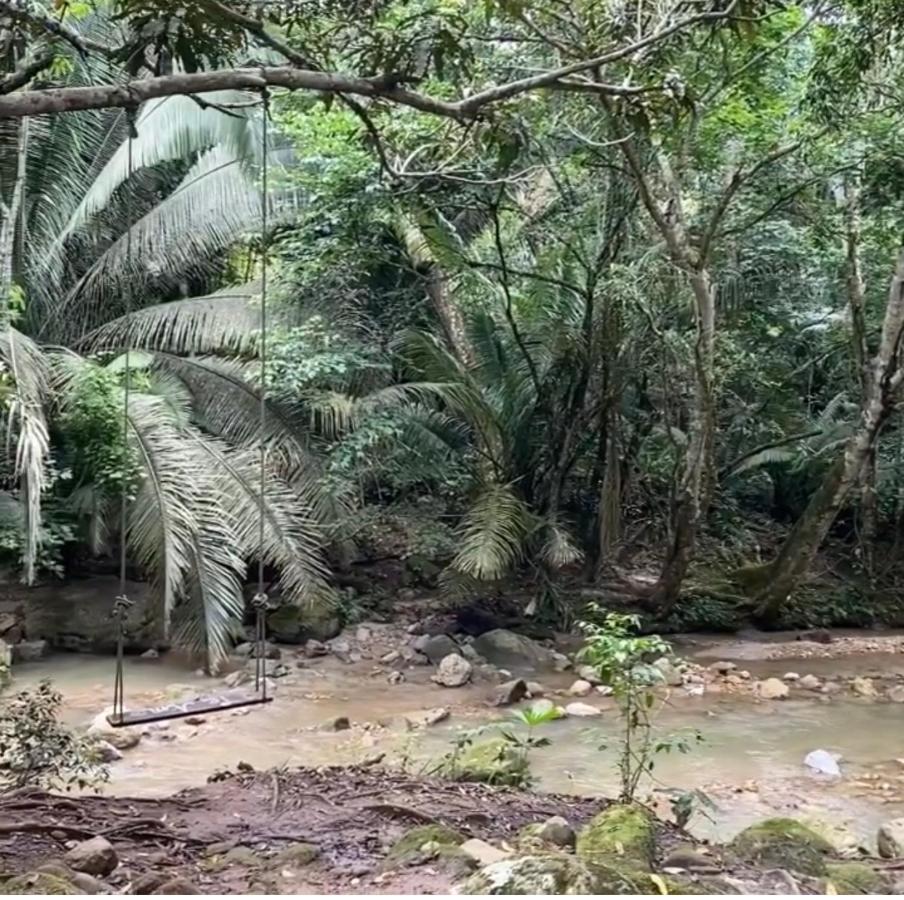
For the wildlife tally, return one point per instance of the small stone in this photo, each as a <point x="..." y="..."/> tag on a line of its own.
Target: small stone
<point x="890" y="839"/>
<point x="510" y="692"/>
<point x="87" y="884"/>
<point x="583" y="710"/>
<point x="195" y="720"/>
<point x="790" y="676"/>
<point x="95" y="856"/>
<point x="605" y="690"/>
<point x="483" y="853"/>
<point x="864" y="687"/>
<point x="339" y="723"/>
<point x="745" y="675"/>
<point x="832" y="687"/>
<point x="436" y="647"/>
<point x="543" y="707"/>
<point x="148" y="883"/>
<point x="177" y="886"/>
<point x="535" y="689"/>
<point x="589" y="673"/>
<point x="363" y="635"/>
<point x="823" y="762"/>
<point x="723" y="667"/>
<point x="391" y="657"/>
<point x="395" y="677"/>
<point x="771" y="689"/>
<point x="896" y="693"/>
<point x="453" y="671"/>
<point x="734" y="680"/>
<point x="315" y="648"/>
<point x="687" y="859"/>
<point x="695" y="690"/>
<point x="819" y="635"/>
<point x="436" y="715"/>
<point x="580" y="688"/>
<point x="556" y="830"/>
<point x="669" y="671"/>
<point x="105" y="752"/>
<point x="560" y="662"/>
<point x="810" y="683"/>
<point x="150" y="654"/>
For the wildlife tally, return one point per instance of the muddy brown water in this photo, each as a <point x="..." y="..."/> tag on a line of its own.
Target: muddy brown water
<point x="750" y="764"/>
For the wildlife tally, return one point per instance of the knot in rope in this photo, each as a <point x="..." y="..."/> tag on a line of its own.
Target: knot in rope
<point x="260" y="601"/>
<point x="121" y="605"/>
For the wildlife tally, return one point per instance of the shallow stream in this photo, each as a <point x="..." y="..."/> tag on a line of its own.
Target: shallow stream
<point x="750" y="764"/>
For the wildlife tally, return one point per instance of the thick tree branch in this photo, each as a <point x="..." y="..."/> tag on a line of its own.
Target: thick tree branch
<point x="22" y="76"/>
<point x="23" y="13"/>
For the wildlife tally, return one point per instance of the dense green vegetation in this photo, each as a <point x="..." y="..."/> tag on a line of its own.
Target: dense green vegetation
<point x="563" y="296"/>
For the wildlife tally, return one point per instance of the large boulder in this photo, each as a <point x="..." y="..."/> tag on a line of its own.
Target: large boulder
<point x="435" y="647"/>
<point x="493" y="761"/>
<point x="890" y="839"/>
<point x="290" y="624"/>
<point x="546" y="874"/>
<point x="453" y="671"/>
<point x="509" y="650"/>
<point x="782" y="843"/>
<point x="621" y="836"/>
<point x="78" y="615"/>
<point x="95" y="856"/>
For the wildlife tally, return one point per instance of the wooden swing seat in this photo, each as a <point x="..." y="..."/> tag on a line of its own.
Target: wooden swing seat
<point x="194" y="707"/>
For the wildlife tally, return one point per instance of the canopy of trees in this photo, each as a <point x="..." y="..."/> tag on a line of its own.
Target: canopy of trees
<point x="567" y="293"/>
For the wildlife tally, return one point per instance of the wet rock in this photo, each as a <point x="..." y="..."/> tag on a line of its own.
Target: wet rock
<point x="832" y="687"/>
<point x="791" y="676"/>
<point x="535" y="689"/>
<point x="551" y="874"/>
<point x="391" y="657"/>
<point x="696" y="690"/>
<point x="819" y="635"/>
<point x="339" y="723"/>
<point x="783" y="844"/>
<point x="582" y="710"/>
<point x="896" y="693"/>
<point x="436" y="715"/>
<point x="723" y="667"/>
<point x="605" y="690"/>
<point x="810" y="683"/>
<point x="669" y="671"/>
<point x="771" y="689"/>
<point x="177" y="886"/>
<point x="864" y="687"/>
<point x="150" y="654"/>
<point x="510" y="692"/>
<point x="395" y="677"/>
<point x="453" y="671"/>
<point x="560" y="662"/>
<point x="483" y="853"/>
<point x="589" y="673"/>
<point x="890" y="839"/>
<point x="823" y="762"/>
<point x="580" y="688"/>
<point x="544" y="706"/>
<point x="105" y="752"/>
<point x="95" y="856"/>
<point x="30" y="651"/>
<point x="314" y="648"/>
<point x="435" y="647"/>
<point x="292" y="624"/>
<point x="509" y="650"/>
<point x="493" y="761"/>
<point x="38" y="883"/>
<point x="88" y="884"/>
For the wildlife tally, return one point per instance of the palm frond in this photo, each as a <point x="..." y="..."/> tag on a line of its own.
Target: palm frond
<point x="559" y="548"/>
<point x="493" y="533"/>
<point x="225" y="321"/>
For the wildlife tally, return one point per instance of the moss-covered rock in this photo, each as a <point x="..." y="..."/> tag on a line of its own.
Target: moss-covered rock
<point x="494" y="761"/>
<point x="620" y="837"/>
<point x="546" y="874"/>
<point x="38" y="883"/>
<point x="296" y="855"/>
<point x="421" y="843"/>
<point x="784" y="844"/>
<point x="296" y="624"/>
<point x="856" y="878"/>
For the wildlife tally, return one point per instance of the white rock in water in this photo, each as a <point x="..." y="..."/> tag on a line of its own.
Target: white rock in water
<point x="823" y="762"/>
<point x="581" y="709"/>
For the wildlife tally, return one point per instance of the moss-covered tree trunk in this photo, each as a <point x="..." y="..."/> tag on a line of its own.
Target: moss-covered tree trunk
<point x="883" y="382"/>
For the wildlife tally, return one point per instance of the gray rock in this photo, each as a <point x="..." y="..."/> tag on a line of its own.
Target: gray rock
<point x="589" y="673"/>
<point x="890" y="839"/>
<point x="395" y="677"/>
<point x="552" y="874"/>
<point x="670" y="674"/>
<point x="453" y="671"/>
<point x="810" y="683"/>
<point x="791" y="676"/>
<point x="292" y="624"/>
<point x="435" y="647"/>
<point x="339" y="723"/>
<point x="95" y="856"/>
<point x="509" y="650"/>
<point x="510" y="692"/>
<point x="153" y="653"/>
<point x="771" y="689"/>
<point x="560" y="662"/>
<point x="584" y="710"/>
<point x="896" y="693"/>
<point x="556" y="830"/>
<point x="482" y="853"/>
<point x="580" y="688"/>
<point x="434" y="716"/>
<point x="315" y="648"/>
<point x="535" y="689"/>
<point x="105" y="752"/>
<point x="87" y="884"/>
<point x="723" y="667"/>
<point x="391" y="657"/>
<point x="30" y="651"/>
<point x="864" y="687"/>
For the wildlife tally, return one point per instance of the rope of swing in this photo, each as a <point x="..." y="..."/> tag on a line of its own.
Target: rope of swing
<point x="261" y="600"/>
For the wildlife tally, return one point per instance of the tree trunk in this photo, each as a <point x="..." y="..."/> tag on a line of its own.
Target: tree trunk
<point x="883" y="380"/>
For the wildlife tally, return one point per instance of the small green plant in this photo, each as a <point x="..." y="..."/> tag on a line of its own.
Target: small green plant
<point x="462" y="740"/>
<point x="37" y="750"/>
<point x="526" y="742"/>
<point x="623" y="659"/>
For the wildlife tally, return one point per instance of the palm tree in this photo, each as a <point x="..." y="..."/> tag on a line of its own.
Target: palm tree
<point x="103" y="235"/>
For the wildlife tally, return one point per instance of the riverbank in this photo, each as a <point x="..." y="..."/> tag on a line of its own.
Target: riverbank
<point x="348" y="830"/>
